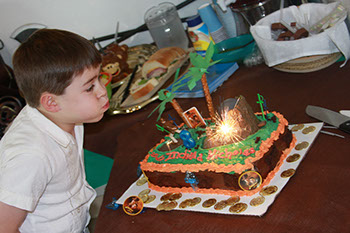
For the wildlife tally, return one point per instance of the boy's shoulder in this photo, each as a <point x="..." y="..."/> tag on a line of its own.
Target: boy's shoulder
<point x="32" y="130"/>
<point x="22" y="133"/>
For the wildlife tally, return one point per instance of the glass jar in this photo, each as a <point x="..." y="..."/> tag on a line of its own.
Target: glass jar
<point x="165" y="26"/>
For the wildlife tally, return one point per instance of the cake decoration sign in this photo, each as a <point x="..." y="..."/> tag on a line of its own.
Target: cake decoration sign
<point x="193" y="117"/>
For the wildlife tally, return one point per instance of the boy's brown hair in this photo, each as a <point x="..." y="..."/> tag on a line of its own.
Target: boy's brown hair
<point x="48" y="60"/>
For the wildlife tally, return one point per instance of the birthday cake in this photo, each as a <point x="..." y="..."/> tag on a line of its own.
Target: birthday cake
<point x="237" y="154"/>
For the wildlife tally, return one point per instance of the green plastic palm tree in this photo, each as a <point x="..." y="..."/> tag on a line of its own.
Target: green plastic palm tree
<point x="198" y="72"/>
<point x="169" y="97"/>
<point x="195" y="73"/>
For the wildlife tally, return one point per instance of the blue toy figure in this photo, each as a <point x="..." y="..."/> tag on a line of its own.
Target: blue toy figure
<point x="187" y="139"/>
<point x="192" y="180"/>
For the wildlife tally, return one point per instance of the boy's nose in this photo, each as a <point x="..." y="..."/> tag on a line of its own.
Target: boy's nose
<point x="102" y="91"/>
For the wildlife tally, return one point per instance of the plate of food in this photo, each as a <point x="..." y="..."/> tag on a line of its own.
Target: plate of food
<point x="141" y="87"/>
<point x="120" y="60"/>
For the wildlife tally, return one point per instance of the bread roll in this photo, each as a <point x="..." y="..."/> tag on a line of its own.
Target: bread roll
<point x="159" y="62"/>
<point x="139" y="91"/>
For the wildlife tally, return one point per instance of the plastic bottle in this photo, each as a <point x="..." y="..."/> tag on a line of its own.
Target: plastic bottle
<point x="208" y="15"/>
<point x="198" y="33"/>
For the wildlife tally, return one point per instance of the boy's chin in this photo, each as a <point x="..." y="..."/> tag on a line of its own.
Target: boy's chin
<point x="94" y="120"/>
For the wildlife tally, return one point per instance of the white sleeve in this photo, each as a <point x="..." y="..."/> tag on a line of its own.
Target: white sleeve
<point x="23" y="179"/>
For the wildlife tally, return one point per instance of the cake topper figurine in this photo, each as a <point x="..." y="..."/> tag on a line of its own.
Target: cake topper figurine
<point x="191" y="179"/>
<point x="187" y="139"/>
<point x="113" y="205"/>
<point x="170" y="125"/>
<point x="171" y="135"/>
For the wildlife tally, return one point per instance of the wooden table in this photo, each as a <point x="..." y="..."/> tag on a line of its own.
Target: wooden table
<point x="316" y="198"/>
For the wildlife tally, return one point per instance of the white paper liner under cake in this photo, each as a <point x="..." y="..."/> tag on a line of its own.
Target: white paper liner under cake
<point x="259" y="210"/>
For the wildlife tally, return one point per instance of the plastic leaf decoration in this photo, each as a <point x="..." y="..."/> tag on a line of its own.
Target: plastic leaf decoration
<point x="200" y="66"/>
<point x="167" y="96"/>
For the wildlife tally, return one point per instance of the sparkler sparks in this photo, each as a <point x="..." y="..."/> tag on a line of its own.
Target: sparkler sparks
<point x="226" y="130"/>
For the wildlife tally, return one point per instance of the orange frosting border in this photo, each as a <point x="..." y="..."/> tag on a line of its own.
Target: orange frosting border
<point x="237" y="168"/>
<point x="266" y="181"/>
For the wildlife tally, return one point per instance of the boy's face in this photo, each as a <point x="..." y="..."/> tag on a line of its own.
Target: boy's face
<point x="84" y="100"/>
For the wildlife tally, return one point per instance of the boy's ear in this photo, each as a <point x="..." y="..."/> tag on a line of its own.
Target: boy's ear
<point x="48" y="101"/>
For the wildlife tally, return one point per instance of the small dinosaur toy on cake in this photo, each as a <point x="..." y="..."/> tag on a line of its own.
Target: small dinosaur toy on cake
<point x="234" y="152"/>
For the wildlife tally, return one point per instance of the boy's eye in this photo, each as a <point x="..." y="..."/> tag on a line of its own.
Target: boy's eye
<point x="90" y="88"/>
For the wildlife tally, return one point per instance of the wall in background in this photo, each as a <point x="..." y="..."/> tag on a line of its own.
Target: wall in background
<point x="89" y="18"/>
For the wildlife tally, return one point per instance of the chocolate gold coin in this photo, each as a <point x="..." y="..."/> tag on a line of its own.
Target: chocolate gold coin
<point x="309" y="129"/>
<point x="238" y="208"/>
<point x="144" y="192"/>
<point x="184" y="204"/>
<point x="209" y="203"/>
<point x="288" y="173"/>
<point x="297" y="127"/>
<point x="166" y="197"/>
<point x="150" y="199"/>
<point x="162" y="206"/>
<point x="232" y="200"/>
<point x="141" y="181"/>
<point x="220" y="205"/>
<point x="195" y="201"/>
<point x="268" y="190"/>
<point x="257" y="201"/>
<point x="302" y="145"/>
<point x="144" y="198"/>
<point x="170" y="205"/>
<point x="292" y="158"/>
<point x="175" y="196"/>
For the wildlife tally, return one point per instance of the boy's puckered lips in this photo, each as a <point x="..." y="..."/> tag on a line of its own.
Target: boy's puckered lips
<point x="106" y="106"/>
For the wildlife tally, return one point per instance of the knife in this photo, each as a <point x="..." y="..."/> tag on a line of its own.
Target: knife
<point x="338" y="120"/>
<point x="127" y="88"/>
<point x="345" y="112"/>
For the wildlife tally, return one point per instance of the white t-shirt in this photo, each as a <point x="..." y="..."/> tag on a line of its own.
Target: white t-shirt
<point x="42" y="171"/>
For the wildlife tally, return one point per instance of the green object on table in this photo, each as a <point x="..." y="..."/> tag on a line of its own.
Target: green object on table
<point x="97" y="168"/>
<point x="235" y="49"/>
<point x="109" y="91"/>
<point x="107" y="80"/>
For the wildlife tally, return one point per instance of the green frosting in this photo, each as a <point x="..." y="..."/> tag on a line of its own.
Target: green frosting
<point x="227" y="154"/>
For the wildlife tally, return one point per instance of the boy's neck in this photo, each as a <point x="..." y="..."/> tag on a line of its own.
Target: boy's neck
<point x="68" y="127"/>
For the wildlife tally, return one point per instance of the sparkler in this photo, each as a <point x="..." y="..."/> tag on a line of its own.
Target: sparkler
<point x="226" y="130"/>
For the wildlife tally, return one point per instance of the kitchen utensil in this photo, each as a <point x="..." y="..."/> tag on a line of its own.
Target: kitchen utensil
<point x="127" y="89"/>
<point x="345" y="112"/>
<point x="331" y="117"/>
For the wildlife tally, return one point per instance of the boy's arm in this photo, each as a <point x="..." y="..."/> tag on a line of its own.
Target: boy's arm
<point x="11" y="218"/>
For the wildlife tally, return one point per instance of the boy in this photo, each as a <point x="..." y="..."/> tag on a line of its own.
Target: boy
<point x="42" y="178"/>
